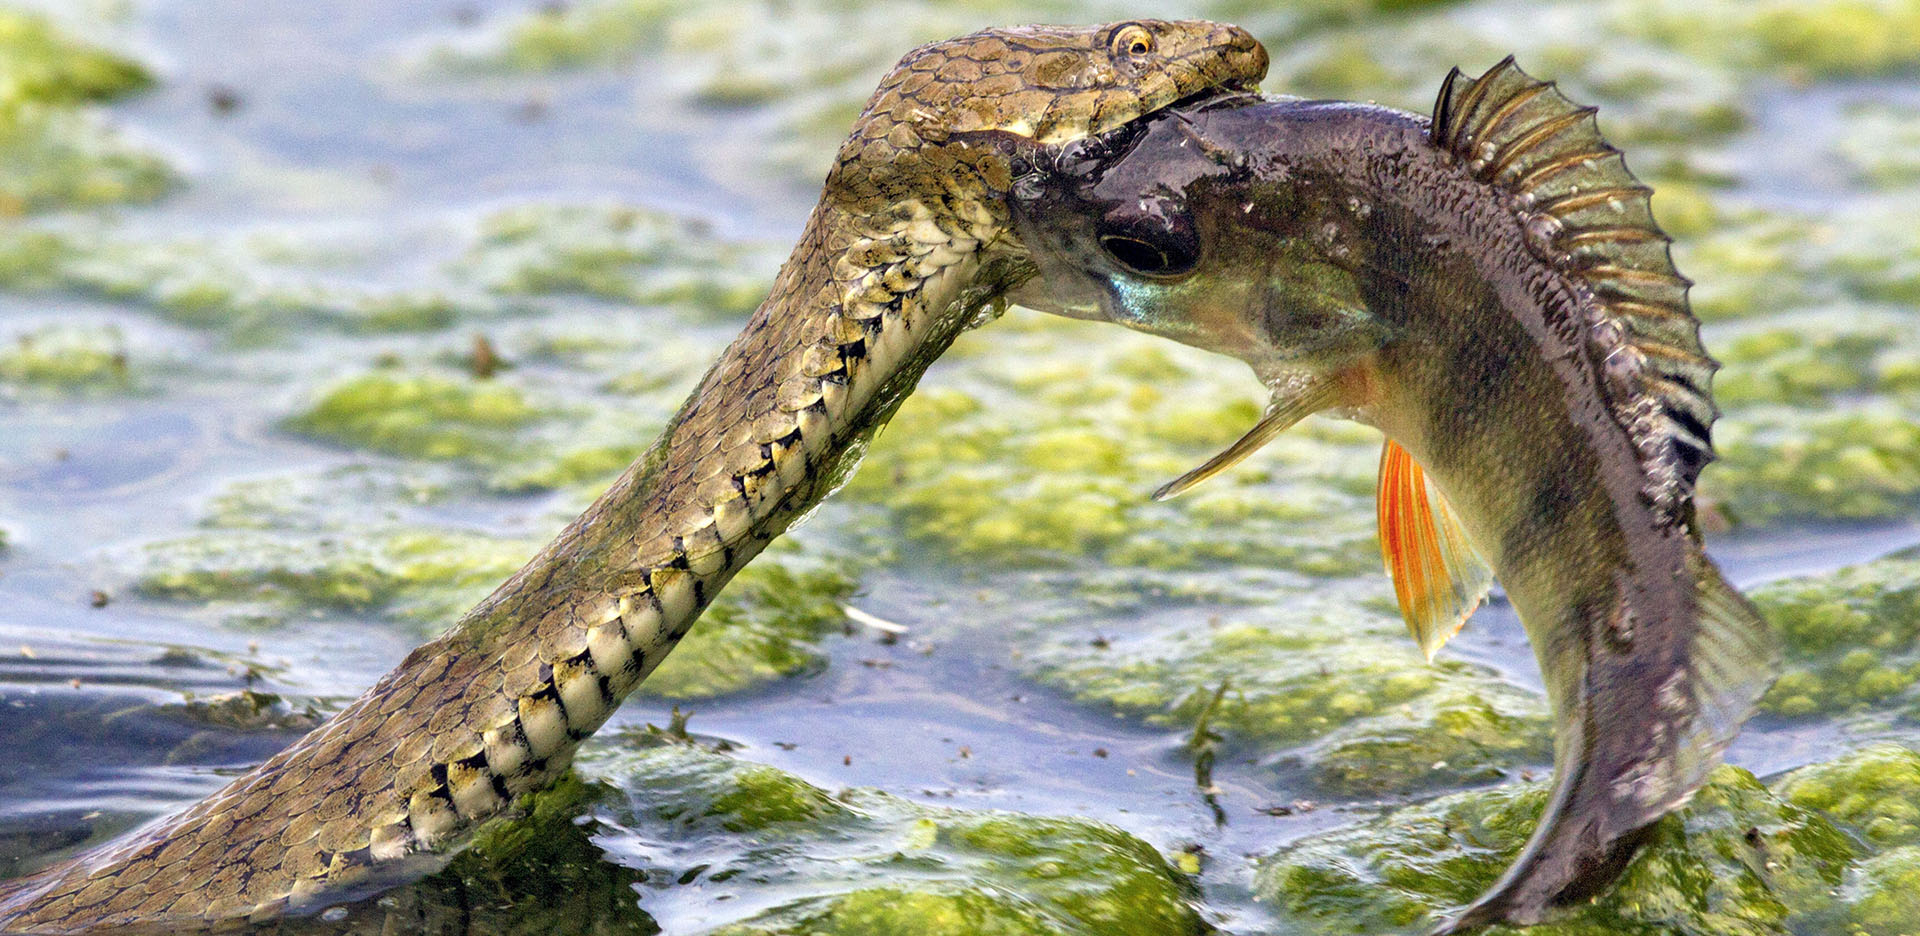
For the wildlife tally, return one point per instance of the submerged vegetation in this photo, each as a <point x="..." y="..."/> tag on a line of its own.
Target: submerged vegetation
<point x="1334" y="676"/>
<point x="866" y="862"/>
<point x="63" y="359"/>
<point x="429" y="416"/>
<point x="1737" y="861"/>
<point x="1853" y="639"/>
<point x="317" y="444"/>
<point x="53" y="152"/>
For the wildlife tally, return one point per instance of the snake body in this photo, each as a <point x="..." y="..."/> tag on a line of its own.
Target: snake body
<point x="910" y="238"/>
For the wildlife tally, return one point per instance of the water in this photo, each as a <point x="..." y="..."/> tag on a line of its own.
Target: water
<point x="342" y="139"/>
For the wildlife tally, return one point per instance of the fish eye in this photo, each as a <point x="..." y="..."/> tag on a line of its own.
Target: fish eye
<point x="1132" y="40"/>
<point x="1157" y="254"/>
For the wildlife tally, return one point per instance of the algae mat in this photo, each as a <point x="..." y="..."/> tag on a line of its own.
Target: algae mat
<point x="316" y="319"/>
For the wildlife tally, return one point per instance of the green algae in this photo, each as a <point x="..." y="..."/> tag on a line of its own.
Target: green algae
<point x="1737" y="861"/>
<point x="44" y="66"/>
<point x="242" y="287"/>
<point x="610" y="422"/>
<point x="404" y="312"/>
<point x="1763" y="262"/>
<point x="881" y="910"/>
<point x="1852" y="638"/>
<point x="1338" y="673"/>
<point x="764" y="627"/>
<point x="1885" y="900"/>
<point x="581" y="454"/>
<point x="1454" y="738"/>
<point x="1807" y="40"/>
<point x="1820" y="396"/>
<point x="28" y="258"/>
<point x="1750" y="266"/>
<point x="619" y="253"/>
<point x="56" y="159"/>
<point x="67" y="359"/>
<point x="589" y="466"/>
<point x="284" y="548"/>
<point x="694" y="790"/>
<point x="1874" y="790"/>
<point x="571" y="36"/>
<point x="1853" y="463"/>
<point x="1809" y="364"/>
<point x="53" y="154"/>
<point x="722" y="38"/>
<point x="1881" y="145"/>
<point x="420" y="575"/>
<point x="316" y="502"/>
<point x="1033" y="456"/>
<point x="865" y="862"/>
<point x="421" y="416"/>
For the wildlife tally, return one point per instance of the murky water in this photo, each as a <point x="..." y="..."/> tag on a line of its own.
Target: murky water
<point x="353" y="159"/>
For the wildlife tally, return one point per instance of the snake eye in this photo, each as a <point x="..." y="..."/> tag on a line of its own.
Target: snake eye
<point x="1165" y="248"/>
<point x="1132" y="40"/>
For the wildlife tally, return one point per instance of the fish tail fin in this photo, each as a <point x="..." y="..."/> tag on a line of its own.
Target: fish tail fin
<point x="1613" y="782"/>
<point x="1734" y="658"/>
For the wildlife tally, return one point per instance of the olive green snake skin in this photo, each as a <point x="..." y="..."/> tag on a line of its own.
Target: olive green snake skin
<point x="909" y="240"/>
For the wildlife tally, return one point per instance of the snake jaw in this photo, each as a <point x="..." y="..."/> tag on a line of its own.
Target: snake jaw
<point x="1048" y="84"/>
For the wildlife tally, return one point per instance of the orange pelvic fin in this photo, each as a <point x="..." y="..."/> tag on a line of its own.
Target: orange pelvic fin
<point x="1437" y="575"/>
<point x="1284" y="411"/>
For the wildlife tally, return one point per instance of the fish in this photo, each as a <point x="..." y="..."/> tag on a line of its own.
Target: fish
<point x="1489" y="288"/>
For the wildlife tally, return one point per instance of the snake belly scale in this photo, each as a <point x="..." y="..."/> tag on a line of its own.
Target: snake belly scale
<point x="909" y="240"/>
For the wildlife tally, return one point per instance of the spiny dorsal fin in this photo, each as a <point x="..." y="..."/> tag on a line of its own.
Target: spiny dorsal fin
<point x="1583" y="212"/>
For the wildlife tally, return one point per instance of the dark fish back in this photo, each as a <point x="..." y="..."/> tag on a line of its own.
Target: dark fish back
<point x="1675" y="658"/>
<point x="1588" y="216"/>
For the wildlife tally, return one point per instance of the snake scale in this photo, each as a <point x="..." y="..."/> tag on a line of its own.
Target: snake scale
<point x="910" y="239"/>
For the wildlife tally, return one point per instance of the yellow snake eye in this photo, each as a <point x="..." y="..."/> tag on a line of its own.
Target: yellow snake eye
<point x="1132" y="40"/>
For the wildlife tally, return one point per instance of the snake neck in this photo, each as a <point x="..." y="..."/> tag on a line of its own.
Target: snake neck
<point x="495" y="708"/>
<point x="903" y="250"/>
<point x="854" y="318"/>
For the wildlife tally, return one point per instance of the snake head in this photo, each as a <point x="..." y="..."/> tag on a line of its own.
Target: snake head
<point x="1001" y="89"/>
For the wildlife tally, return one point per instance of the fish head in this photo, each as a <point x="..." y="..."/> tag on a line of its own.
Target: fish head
<point x="1181" y="227"/>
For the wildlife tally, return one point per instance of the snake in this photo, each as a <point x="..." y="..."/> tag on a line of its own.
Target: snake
<point x="910" y="242"/>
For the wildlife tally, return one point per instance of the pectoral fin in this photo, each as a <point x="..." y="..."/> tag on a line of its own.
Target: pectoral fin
<point x="1437" y="576"/>
<point x="1284" y="412"/>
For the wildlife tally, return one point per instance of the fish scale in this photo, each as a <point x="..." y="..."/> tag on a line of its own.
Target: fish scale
<point x="1506" y="312"/>
<point x="1596" y="220"/>
<point x="908" y="241"/>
